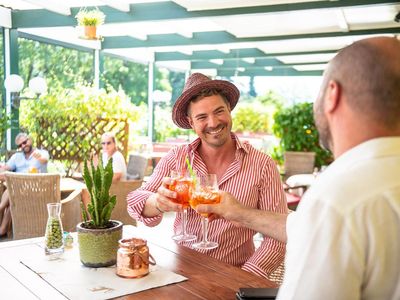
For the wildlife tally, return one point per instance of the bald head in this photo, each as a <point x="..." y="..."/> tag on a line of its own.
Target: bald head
<point x="368" y="72"/>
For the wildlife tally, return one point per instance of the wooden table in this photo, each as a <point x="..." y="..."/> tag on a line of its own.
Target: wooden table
<point x="208" y="278"/>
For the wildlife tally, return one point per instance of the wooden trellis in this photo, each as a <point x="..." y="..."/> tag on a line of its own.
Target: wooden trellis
<point x="76" y="139"/>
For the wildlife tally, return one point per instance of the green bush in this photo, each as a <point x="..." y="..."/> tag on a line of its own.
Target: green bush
<point x="256" y="114"/>
<point x="296" y="129"/>
<point x="251" y="118"/>
<point x="61" y="108"/>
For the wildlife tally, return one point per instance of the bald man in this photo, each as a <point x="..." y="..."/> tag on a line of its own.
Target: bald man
<point x="343" y="242"/>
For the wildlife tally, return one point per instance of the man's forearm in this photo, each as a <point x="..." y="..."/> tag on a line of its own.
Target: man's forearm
<point x="266" y="222"/>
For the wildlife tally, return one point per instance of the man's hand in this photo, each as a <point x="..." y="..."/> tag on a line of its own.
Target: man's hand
<point x="229" y="208"/>
<point x="162" y="201"/>
<point x="36" y="154"/>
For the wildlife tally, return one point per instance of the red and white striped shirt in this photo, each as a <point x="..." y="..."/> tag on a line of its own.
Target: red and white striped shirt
<point x="252" y="178"/>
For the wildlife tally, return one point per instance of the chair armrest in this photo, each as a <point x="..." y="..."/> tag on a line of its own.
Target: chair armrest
<point x="71" y="210"/>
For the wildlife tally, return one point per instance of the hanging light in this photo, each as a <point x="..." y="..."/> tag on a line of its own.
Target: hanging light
<point x="14" y="84"/>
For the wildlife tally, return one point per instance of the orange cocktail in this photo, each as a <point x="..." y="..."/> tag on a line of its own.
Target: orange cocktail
<point x="204" y="197"/>
<point x="182" y="187"/>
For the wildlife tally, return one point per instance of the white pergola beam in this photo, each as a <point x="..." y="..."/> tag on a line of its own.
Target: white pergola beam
<point x="341" y="19"/>
<point x="139" y="36"/>
<point x="5" y="17"/>
<point x="55" y="6"/>
<point x="186" y="34"/>
<point x="117" y="5"/>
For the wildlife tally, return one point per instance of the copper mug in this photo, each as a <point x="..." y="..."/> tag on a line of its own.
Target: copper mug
<point x="133" y="258"/>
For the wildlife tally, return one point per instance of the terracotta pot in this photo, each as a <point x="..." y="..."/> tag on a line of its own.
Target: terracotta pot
<point x="98" y="247"/>
<point x="90" y="32"/>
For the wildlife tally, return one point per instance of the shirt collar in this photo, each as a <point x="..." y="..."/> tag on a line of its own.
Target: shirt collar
<point x="374" y="148"/>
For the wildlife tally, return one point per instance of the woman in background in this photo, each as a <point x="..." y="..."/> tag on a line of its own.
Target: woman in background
<point x="109" y="149"/>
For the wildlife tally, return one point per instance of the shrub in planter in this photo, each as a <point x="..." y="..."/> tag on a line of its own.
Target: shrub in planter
<point x="295" y="127"/>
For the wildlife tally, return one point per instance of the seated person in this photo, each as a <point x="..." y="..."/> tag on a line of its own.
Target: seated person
<point x="28" y="160"/>
<point x="109" y="146"/>
<point x="205" y="106"/>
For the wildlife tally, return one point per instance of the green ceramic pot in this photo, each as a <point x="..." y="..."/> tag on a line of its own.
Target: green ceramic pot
<point x="98" y="247"/>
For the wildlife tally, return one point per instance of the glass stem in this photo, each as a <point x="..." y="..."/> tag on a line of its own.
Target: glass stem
<point x="184" y="221"/>
<point x="205" y="230"/>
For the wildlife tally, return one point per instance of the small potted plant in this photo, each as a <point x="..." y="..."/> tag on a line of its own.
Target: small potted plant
<point x="98" y="236"/>
<point x="90" y="19"/>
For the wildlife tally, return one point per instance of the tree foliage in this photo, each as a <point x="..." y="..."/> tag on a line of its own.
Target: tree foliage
<point x="256" y="114"/>
<point x="62" y="67"/>
<point x="126" y="75"/>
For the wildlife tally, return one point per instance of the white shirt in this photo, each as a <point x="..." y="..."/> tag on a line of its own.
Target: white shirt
<point x="119" y="165"/>
<point x="344" y="239"/>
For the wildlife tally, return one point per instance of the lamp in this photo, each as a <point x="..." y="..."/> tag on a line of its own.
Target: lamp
<point x="14" y="84"/>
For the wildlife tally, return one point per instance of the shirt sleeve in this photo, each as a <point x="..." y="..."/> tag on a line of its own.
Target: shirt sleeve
<point x="44" y="154"/>
<point x="119" y="163"/>
<point x="11" y="162"/>
<point x="137" y="199"/>
<point x="271" y="253"/>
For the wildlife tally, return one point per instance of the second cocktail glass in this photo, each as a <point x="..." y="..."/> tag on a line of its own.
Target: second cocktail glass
<point x="182" y="186"/>
<point x="205" y="191"/>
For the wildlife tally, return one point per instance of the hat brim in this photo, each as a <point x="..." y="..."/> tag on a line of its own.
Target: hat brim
<point x="179" y="112"/>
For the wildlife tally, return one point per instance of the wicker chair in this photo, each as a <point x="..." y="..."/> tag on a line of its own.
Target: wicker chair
<point x="121" y="189"/>
<point x="29" y="194"/>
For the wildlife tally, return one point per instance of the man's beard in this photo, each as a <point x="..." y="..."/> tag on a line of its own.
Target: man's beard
<point x="325" y="136"/>
<point x="27" y="149"/>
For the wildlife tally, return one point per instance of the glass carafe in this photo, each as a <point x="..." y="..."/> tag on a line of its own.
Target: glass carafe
<point x="54" y="231"/>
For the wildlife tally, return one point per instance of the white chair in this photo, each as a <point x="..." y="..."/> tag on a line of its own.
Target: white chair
<point x="137" y="165"/>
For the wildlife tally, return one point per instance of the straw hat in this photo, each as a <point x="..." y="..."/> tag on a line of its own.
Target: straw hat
<point x="194" y="85"/>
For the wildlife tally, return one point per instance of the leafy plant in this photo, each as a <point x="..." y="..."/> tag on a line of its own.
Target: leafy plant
<point x="98" y="182"/>
<point x="92" y="17"/>
<point x="296" y="129"/>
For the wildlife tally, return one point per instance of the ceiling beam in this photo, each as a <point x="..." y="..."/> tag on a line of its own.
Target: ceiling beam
<point x="53" y="6"/>
<point x="233" y="54"/>
<point x="124" y="7"/>
<point x="53" y="42"/>
<point x="231" y="65"/>
<point x="159" y="11"/>
<point x="261" y="72"/>
<point x="223" y="37"/>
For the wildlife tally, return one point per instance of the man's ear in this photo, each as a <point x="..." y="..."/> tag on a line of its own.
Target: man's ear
<point x="333" y="96"/>
<point x="190" y="121"/>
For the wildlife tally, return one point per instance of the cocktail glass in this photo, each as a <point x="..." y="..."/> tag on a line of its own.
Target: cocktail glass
<point x="182" y="186"/>
<point x="205" y="191"/>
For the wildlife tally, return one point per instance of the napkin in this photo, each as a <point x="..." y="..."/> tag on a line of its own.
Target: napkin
<point x="75" y="281"/>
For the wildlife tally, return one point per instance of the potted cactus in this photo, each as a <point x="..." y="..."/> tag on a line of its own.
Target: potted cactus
<point x="98" y="236"/>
